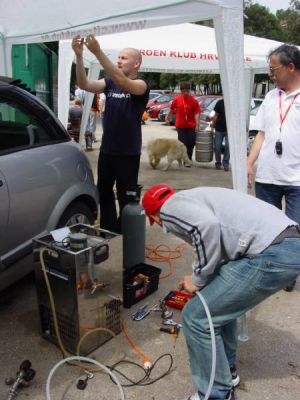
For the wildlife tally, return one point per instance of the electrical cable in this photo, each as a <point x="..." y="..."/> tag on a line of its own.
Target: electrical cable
<point x="87" y="360"/>
<point x="142" y="381"/>
<point x="213" y="346"/>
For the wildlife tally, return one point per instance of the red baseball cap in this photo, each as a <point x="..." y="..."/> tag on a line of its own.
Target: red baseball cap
<point x="155" y="197"/>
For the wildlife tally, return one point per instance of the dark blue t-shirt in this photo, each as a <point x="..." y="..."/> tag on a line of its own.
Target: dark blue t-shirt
<point x="221" y="120"/>
<point x="122" y="132"/>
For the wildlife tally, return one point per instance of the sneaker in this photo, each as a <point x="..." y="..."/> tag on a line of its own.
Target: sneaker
<point x="226" y="168"/>
<point x="290" y="287"/>
<point x="218" y="166"/>
<point x="235" y="377"/>
<point x="195" y="396"/>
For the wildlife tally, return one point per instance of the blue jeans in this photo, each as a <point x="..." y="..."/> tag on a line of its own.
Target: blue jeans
<point x="188" y="137"/>
<point x="274" y="194"/>
<point x="234" y="289"/>
<point x="219" y="136"/>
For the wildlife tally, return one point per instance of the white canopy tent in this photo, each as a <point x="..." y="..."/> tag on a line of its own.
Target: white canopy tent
<point x="42" y="21"/>
<point x="181" y="48"/>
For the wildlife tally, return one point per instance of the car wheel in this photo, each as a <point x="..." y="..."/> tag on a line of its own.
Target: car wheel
<point x="76" y="213"/>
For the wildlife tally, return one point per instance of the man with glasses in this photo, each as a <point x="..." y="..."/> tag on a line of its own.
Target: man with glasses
<point x="277" y="144"/>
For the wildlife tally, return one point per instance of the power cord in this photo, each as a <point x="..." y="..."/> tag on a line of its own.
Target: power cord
<point x="144" y="381"/>
<point x="163" y="253"/>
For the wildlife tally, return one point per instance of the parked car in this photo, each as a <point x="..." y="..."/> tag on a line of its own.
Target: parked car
<point x="46" y="181"/>
<point x="207" y="114"/>
<point x="154" y="107"/>
<point x="203" y="101"/>
<point x="153" y="95"/>
<point x="163" y="112"/>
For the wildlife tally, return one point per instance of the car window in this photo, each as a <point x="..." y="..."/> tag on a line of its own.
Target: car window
<point x="207" y="102"/>
<point x="153" y="95"/>
<point x="19" y="128"/>
<point x="256" y="103"/>
<point x="212" y="104"/>
<point x="163" y="99"/>
<point x="254" y="110"/>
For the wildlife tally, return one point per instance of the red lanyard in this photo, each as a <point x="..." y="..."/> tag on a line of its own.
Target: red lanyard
<point x="283" y="117"/>
<point x="185" y="108"/>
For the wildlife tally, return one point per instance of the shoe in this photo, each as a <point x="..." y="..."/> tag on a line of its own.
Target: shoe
<point x="187" y="165"/>
<point x="195" y="396"/>
<point x="235" y="377"/>
<point x="290" y="287"/>
<point x="218" y="166"/>
<point x="226" y="168"/>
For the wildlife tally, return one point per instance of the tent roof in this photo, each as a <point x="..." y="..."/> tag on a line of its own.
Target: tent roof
<point x="40" y="20"/>
<point x="188" y="48"/>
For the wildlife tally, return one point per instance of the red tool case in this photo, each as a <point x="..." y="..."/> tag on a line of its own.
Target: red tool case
<point x="177" y="299"/>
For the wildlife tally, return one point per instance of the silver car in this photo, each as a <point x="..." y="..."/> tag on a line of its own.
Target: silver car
<point x="46" y="181"/>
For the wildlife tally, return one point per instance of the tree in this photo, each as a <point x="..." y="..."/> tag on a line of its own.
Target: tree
<point x="290" y="22"/>
<point x="259" y="21"/>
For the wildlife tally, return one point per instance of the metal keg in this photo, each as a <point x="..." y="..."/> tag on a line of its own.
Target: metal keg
<point x="204" y="146"/>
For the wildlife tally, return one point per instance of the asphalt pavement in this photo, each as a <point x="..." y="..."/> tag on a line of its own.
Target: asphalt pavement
<point x="268" y="363"/>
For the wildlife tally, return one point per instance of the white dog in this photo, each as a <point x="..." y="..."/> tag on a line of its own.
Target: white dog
<point x="172" y="148"/>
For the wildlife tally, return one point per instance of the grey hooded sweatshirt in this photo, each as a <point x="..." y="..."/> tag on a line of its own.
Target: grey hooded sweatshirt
<point x="221" y="224"/>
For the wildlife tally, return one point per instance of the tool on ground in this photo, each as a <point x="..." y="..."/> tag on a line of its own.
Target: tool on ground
<point x="177" y="299"/>
<point x="141" y="313"/>
<point x="171" y="322"/>
<point x="23" y="377"/>
<point x="173" y="330"/>
<point x="165" y="313"/>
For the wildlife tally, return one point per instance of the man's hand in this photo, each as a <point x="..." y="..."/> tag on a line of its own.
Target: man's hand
<point x="77" y="45"/>
<point x="92" y="44"/>
<point x="186" y="284"/>
<point x="250" y="174"/>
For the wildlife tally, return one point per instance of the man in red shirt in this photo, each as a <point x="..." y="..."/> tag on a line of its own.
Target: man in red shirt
<point x="187" y="111"/>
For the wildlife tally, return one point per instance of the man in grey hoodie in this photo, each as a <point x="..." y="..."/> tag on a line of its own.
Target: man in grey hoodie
<point x="244" y="253"/>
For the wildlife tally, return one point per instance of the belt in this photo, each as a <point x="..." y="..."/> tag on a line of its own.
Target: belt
<point x="289" y="232"/>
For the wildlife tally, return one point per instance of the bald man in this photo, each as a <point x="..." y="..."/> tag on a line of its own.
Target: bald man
<point x="126" y="99"/>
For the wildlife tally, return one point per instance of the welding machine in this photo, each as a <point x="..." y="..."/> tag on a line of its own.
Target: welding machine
<point x="84" y="271"/>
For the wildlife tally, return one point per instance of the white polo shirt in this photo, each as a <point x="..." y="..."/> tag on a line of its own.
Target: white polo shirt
<point x="272" y="168"/>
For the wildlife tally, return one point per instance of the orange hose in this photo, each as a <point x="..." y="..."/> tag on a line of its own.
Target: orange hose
<point x="132" y="343"/>
<point x="163" y="253"/>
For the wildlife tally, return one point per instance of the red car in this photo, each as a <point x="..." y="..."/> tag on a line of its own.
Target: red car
<point x="153" y="108"/>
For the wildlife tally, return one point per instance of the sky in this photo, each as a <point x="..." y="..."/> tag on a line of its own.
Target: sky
<point x="274" y="5"/>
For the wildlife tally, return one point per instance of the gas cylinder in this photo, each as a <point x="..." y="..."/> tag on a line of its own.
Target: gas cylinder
<point x="133" y="229"/>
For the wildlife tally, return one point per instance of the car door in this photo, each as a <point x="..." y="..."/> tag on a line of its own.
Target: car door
<point x="4" y="207"/>
<point x="28" y="154"/>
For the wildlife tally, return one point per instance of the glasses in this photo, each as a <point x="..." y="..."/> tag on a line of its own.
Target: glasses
<point x="272" y="69"/>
